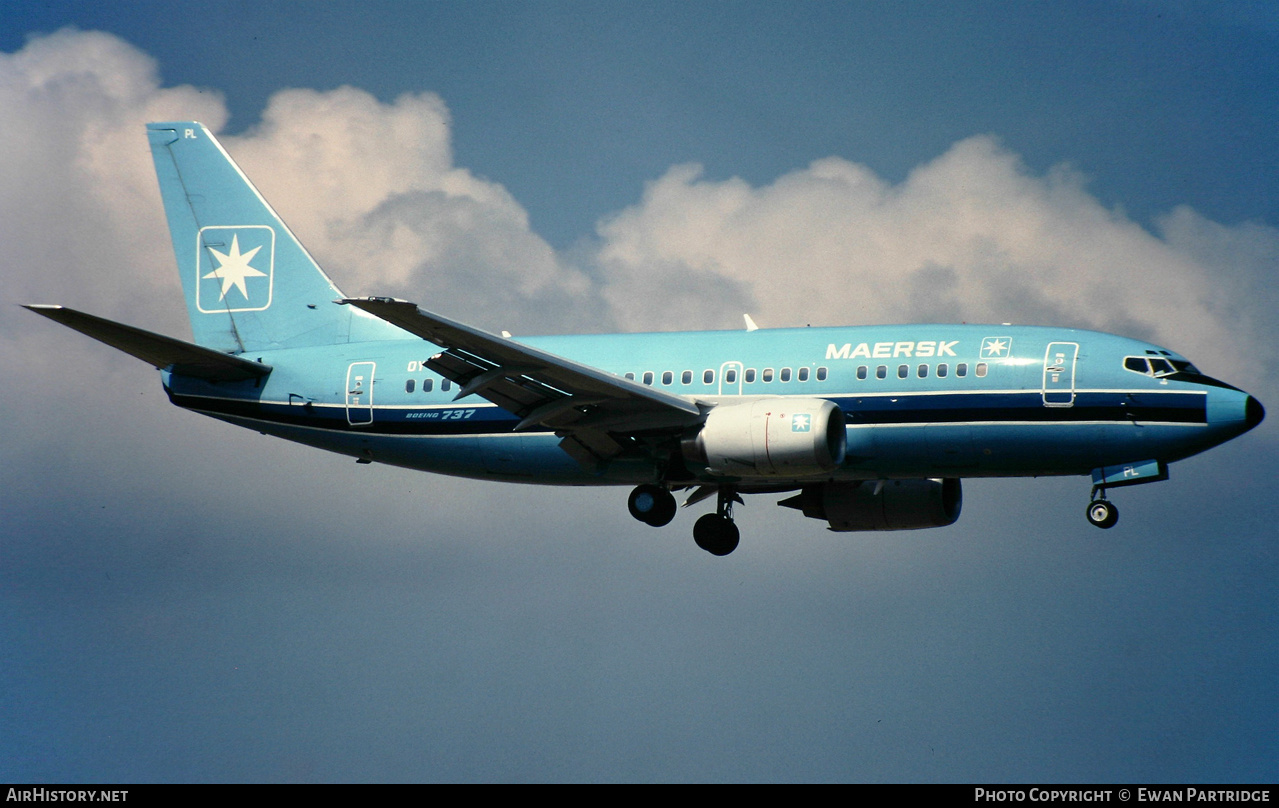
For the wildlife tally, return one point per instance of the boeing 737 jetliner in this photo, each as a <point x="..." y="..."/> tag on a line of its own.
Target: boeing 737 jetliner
<point x="867" y="427"/>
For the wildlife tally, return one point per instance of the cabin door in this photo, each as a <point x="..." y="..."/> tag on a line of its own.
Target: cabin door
<point x="359" y="393"/>
<point x="730" y="379"/>
<point x="1059" y="374"/>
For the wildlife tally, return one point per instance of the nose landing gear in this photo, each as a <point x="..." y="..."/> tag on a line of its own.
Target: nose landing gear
<point x="1101" y="512"/>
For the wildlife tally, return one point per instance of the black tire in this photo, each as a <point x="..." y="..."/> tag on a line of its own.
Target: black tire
<point x="1102" y="513"/>
<point x="652" y="505"/>
<point x="716" y="534"/>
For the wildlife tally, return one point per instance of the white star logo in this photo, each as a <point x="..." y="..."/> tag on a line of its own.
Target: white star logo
<point x="996" y="347"/>
<point x="233" y="268"/>
<point x="799" y="423"/>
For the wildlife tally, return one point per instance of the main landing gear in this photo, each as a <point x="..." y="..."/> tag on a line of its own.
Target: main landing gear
<point x="652" y="505"/>
<point x="715" y="532"/>
<point x="1101" y="511"/>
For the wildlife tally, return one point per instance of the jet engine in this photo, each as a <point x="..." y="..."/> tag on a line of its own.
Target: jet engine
<point x="789" y="437"/>
<point x="881" y="505"/>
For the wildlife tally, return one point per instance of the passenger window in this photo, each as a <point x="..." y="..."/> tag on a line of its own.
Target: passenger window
<point x="630" y="376"/>
<point x="750" y="375"/>
<point x="784" y="375"/>
<point x="923" y="371"/>
<point x="730" y="376"/>
<point x="767" y="375"/>
<point x="427" y="384"/>
<point x="648" y="377"/>
<point x="445" y="385"/>
<point x="861" y="373"/>
<point x="903" y="371"/>
<point x="981" y="369"/>
<point x="961" y="369"/>
<point x="686" y="377"/>
<point x="803" y="374"/>
<point x="667" y="377"/>
<point x="408" y="386"/>
<point x="708" y="377"/>
<point x="942" y="369"/>
<point x="821" y="374"/>
<point x="881" y="372"/>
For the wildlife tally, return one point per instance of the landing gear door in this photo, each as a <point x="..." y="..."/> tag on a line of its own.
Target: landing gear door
<point x="359" y="393"/>
<point x="1059" y="374"/>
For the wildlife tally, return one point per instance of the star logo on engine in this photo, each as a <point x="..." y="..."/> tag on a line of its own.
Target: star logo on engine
<point x="801" y="423"/>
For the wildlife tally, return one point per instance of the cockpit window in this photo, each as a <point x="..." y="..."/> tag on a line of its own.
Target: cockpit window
<point x="1150" y="366"/>
<point x="1161" y="367"/>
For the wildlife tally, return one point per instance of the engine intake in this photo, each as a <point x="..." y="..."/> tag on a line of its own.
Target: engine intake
<point x="897" y="505"/>
<point x="791" y="437"/>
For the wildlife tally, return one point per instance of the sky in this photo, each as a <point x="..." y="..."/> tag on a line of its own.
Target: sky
<point x="184" y="601"/>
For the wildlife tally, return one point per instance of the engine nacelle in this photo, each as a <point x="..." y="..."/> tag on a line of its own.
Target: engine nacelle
<point x="890" y="505"/>
<point x="770" y="437"/>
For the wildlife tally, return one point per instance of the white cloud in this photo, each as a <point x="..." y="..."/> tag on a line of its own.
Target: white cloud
<point x="79" y="210"/>
<point x="214" y="554"/>
<point x="970" y="236"/>
<point x="369" y="187"/>
<point x="373" y="190"/>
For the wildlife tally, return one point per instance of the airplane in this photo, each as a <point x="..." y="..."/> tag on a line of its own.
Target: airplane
<point x="863" y="427"/>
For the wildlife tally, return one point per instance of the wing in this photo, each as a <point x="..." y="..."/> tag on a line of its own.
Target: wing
<point x="596" y="413"/>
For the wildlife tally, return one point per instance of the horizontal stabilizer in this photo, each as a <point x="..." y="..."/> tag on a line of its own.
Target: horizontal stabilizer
<point x="163" y="352"/>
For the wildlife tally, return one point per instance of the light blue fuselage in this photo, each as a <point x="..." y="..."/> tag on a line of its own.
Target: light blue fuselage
<point x="280" y="349"/>
<point x="918" y="400"/>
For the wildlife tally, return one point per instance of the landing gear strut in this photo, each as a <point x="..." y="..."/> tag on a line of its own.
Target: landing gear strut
<point x="1101" y="512"/>
<point x="652" y="505"/>
<point x="715" y="532"/>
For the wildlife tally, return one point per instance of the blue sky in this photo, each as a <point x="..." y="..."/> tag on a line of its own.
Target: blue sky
<point x="183" y="601"/>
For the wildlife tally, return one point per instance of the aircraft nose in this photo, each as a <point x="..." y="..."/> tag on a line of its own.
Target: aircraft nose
<point x="1234" y="411"/>
<point x="1254" y="413"/>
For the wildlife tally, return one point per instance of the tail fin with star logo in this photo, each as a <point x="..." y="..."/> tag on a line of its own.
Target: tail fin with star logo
<point x="249" y="283"/>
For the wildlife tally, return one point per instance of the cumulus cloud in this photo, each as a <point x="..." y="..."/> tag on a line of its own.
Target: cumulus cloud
<point x="370" y="187"/>
<point x="236" y="560"/>
<point x="78" y="201"/>
<point x="373" y="190"/>
<point x="970" y="236"/>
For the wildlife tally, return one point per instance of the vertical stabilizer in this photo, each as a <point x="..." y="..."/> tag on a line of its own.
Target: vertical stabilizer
<point x="249" y="284"/>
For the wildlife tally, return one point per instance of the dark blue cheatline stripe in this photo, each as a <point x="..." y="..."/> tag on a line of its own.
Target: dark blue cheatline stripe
<point x="486" y="421"/>
<point x="887" y="410"/>
<point x="1025" y="407"/>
